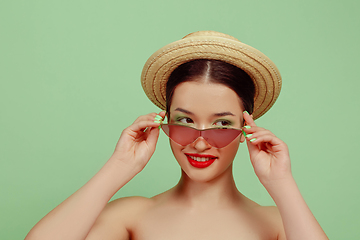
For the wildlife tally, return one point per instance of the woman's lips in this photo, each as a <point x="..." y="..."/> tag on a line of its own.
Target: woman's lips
<point x="200" y="160"/>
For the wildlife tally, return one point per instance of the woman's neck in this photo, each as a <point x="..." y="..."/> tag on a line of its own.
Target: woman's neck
<point x="218" y="192"/>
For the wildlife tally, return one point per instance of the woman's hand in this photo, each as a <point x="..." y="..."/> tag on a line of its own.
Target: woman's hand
<point x="268" y="154"/>
<point x="137" y="142"/>
<point x="82" y="209"/>
<point x="270" y="159"/>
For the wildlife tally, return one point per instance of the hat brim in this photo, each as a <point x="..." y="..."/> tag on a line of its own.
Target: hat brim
<point x="260" y="68"/>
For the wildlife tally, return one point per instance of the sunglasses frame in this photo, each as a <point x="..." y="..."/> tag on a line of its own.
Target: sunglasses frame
<point x="200" y="133"/>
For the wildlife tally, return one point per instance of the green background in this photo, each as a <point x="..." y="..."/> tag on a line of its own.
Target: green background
<point x="70" y="82"/>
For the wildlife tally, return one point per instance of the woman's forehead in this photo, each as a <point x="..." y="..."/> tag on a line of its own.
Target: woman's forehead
<point x="206" y="98"/>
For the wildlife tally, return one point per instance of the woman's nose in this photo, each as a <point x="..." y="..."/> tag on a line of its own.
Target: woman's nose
<point x="201" y="144"/>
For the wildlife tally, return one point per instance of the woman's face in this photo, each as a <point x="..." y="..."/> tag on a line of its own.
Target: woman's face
<point x="205" y="105"/>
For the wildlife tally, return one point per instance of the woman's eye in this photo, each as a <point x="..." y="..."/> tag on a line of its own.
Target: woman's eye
<point x="223" y="123"/>
<point x="185" y="120"/>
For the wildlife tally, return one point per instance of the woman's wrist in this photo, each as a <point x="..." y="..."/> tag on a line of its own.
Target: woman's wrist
<point x="124" y="165"/>
<point x="113" y="176"/>
<point x="280" y="187"/>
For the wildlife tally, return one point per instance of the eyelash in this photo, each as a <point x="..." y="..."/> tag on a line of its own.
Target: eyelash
<point x="179" y="119"/>
<point x="223" y="122"/>
<point x="227" y="122"/>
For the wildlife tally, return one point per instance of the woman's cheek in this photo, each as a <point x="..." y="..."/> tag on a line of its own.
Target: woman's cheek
<point x="177" y="151"/>
<point x="228" y="153"/>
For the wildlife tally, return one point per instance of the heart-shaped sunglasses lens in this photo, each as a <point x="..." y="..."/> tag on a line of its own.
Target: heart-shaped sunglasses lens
<point x="216" y="137"/>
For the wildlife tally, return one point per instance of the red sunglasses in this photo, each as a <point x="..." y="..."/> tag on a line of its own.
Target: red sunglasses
<point x="216" y="137"/>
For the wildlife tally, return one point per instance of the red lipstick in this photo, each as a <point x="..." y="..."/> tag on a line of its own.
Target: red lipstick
<point x="200" y="160"/>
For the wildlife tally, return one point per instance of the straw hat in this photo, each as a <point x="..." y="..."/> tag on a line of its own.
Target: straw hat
<point x="217" y="46"/>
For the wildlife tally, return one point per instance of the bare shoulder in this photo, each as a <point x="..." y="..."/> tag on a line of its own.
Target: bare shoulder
<point x="125" y="210"/>
<point x="269" y="211"/>
<point x="118" y="216"/>
<point x="128" y="205"/>
<point x="271" y="215"/>
<point x="267" y="218"/>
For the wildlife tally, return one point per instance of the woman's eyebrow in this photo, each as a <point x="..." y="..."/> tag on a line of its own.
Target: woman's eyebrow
<point x="184" y="111"/>
<point x="222" y="114"/>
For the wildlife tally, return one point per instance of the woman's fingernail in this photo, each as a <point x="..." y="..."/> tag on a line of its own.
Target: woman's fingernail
<point x="246" y="112"/>
<point x="247" y="126"/>
<point x="244" y="133"/>
<point x="158" y="117"/>
<point x="248" y="135"/>
<point x="157" y="121"/>
<point x="251" y="140"/>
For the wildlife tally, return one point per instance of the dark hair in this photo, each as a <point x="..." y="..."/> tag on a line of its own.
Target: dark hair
<point x="216" y="72"/>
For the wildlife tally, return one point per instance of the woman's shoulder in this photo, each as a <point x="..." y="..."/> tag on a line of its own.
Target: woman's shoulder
<point x="267" y="217"/>
<point x="271" y="212"/>
<point x="270" y="216"/>
<point x="264" y="211"/>
<point x="128" y="206"/>
<point x="118" y="217"/>
<point x="127" y="210"/>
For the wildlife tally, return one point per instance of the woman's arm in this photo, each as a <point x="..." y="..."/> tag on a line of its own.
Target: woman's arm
<point x="299" y="222"/>
<point x="74" y="218"/>
<point x="270" y="159"/>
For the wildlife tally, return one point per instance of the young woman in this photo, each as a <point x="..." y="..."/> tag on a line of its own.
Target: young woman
<point x="212" y="87"/>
